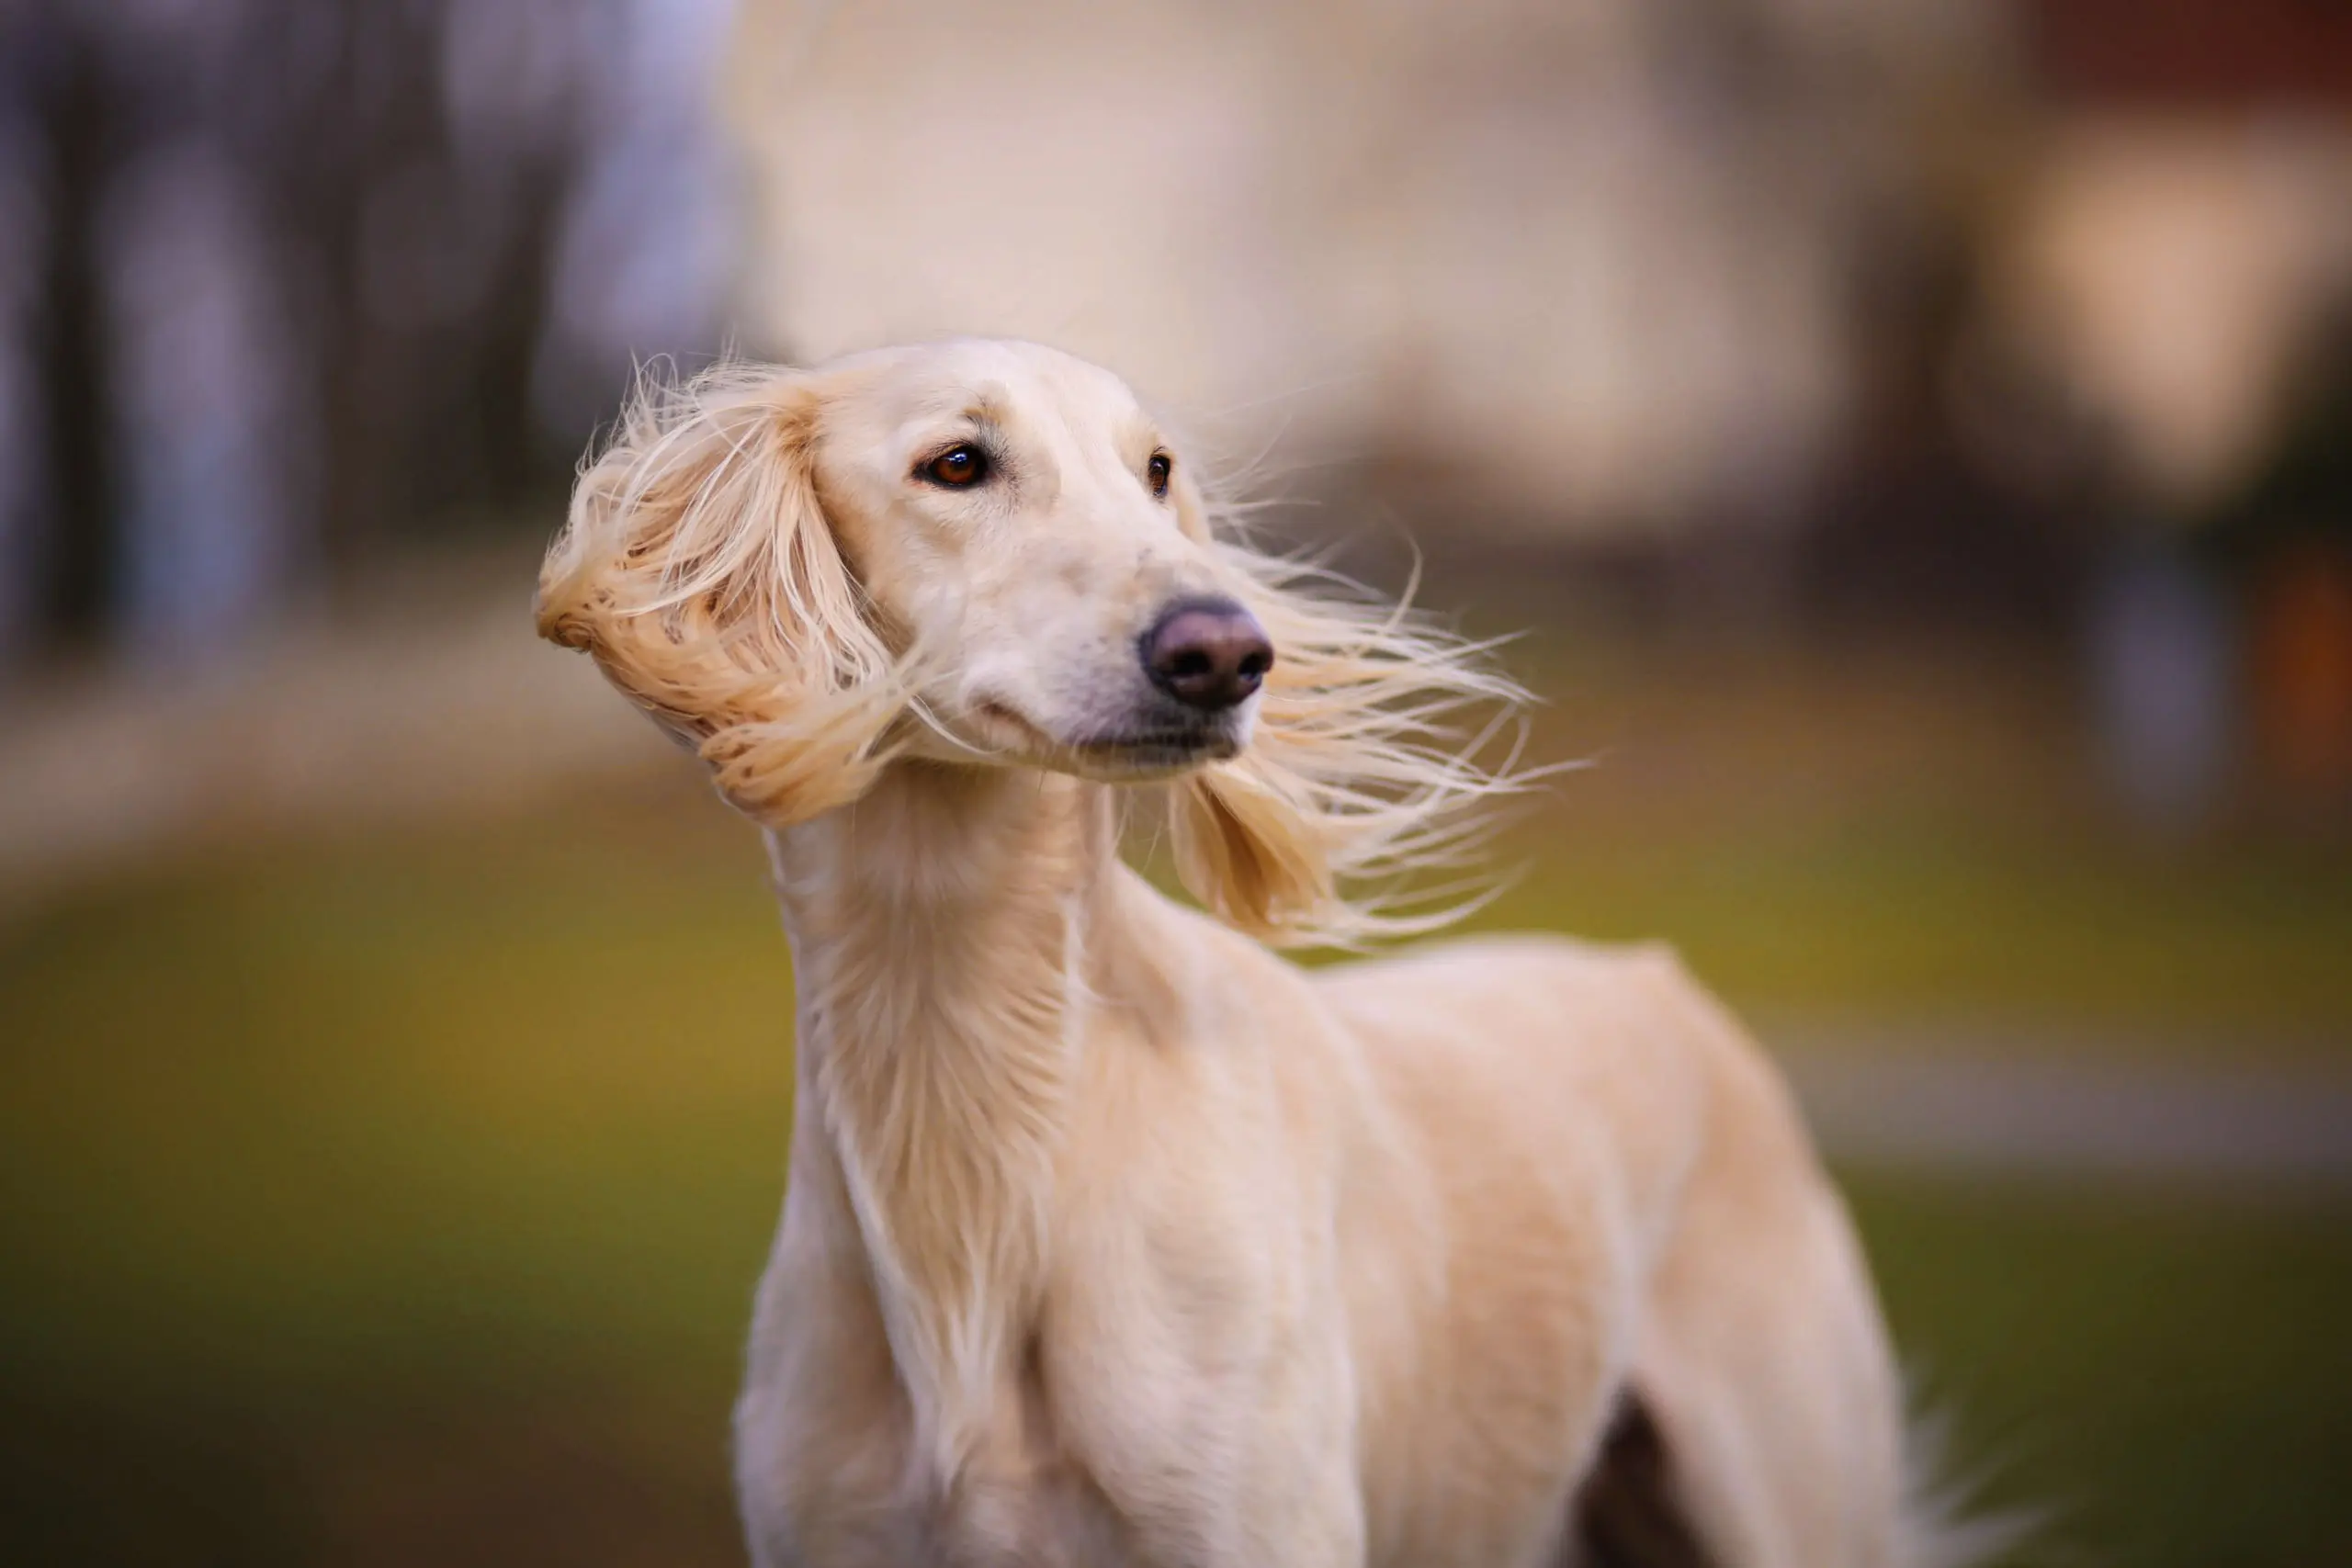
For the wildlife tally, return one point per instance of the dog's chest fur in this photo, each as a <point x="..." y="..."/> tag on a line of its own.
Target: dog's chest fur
<point x="896" y="1410"/>
<point x="850" y="1454"/>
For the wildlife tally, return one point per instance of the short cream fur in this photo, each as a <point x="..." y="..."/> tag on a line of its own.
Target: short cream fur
<point x="1111" y="1236"/>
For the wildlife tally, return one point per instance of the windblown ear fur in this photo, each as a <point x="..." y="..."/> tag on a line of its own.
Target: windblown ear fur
<point x="697" y="569"/>
<point x="1362" y="772"/>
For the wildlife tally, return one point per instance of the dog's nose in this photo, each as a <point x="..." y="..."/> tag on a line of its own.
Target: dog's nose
<point x="1207" y="653"/>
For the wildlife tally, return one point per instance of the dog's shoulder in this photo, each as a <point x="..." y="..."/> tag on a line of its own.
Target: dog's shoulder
<point x="1527" y="968"/>
<point x="1619" y="1040"/>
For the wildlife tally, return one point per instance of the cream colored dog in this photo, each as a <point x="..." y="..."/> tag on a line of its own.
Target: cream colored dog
<point x="1111" y="1236"/>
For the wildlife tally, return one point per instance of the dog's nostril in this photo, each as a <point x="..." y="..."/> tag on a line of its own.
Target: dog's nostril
<point x="1209" y="654"/>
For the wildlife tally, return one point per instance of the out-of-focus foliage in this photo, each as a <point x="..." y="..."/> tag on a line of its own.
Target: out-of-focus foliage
<point x="281" y="281"/>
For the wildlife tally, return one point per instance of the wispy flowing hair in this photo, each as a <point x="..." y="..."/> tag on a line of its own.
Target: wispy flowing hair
<point x="1383" y="740"/>
<point x="697" y="567"/>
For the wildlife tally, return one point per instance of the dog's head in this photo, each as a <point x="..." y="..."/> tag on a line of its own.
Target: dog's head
<point x="987" y="554"/>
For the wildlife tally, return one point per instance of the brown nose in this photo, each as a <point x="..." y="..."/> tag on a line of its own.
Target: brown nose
<point x="1207" y="653"/>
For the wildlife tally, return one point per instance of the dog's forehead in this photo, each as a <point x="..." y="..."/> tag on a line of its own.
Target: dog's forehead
<point x="1018" y="384"/>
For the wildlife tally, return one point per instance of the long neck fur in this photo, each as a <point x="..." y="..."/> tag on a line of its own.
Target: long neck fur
<point x="941" y="931"/>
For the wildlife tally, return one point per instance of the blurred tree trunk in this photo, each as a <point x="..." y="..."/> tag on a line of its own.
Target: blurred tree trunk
<point x="77" y="558"/>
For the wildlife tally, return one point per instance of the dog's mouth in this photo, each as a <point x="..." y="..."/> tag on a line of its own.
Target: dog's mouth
<point x="1143" y="751"/>
<point x="1162" y="751"/>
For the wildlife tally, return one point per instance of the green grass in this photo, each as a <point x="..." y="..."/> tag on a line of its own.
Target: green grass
<point x="1909" y="914"/>
<point x="2162" y="1374"/>
<point x="1921" y="833"/>
<point x="400" y="1201"/>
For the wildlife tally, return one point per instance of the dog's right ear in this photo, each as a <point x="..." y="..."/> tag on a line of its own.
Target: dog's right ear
<point x="698" y="569"/>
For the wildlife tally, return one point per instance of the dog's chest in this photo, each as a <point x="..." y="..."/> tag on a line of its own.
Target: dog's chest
<point x="1018" y="1516"/>
<point x="833" y="1474"/>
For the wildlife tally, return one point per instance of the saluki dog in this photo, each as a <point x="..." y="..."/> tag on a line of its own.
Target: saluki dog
<point x="1111" y="1236"/>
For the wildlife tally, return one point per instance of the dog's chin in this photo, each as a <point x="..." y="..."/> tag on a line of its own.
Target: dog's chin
<point x="1153" y="739"/>
<point x="1160" y="754"/>
<point x="1153" y="746"/>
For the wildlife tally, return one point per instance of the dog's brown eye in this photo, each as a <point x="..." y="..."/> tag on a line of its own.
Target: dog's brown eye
<point x="1159" y="468"/>
<point x="958" y="467"/>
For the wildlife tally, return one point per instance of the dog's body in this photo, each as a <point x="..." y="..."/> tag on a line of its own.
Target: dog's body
<point x="1110" y="1238"/>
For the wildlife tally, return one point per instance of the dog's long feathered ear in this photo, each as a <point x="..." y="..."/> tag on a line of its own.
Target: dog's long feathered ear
<point x="1363" y="771"/>
<point x="698" y="569"/>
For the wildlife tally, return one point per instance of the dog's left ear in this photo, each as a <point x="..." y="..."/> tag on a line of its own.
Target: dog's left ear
<point x="697" y="568"/>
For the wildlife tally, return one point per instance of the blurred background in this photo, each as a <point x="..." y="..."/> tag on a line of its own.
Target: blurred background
<point x="1915" y="436"/>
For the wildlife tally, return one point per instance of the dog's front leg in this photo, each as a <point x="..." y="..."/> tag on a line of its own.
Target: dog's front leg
<point x="1328" y="1531"/>
<point x="1297" y="1493"/>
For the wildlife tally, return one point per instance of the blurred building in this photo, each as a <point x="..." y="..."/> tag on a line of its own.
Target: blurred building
<point x="1578" y="265"/>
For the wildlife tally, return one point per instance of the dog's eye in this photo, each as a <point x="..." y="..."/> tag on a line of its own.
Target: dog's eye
<point x="1159" y="469"/>
<point x="958" y="467"/>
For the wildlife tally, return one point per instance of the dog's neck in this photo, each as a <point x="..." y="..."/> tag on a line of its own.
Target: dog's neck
<point x="941" y="932"/>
